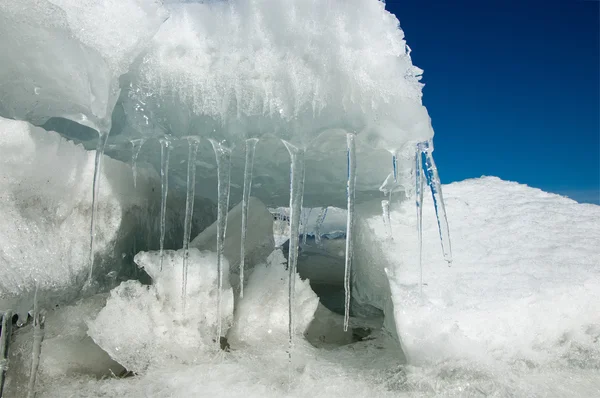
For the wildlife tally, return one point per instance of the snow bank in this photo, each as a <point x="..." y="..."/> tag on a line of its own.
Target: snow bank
<point x="45" y="207"/>
<point x="524" y="284"/>
<point x="143" y="326"/>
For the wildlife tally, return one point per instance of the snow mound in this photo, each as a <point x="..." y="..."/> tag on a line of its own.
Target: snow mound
<point x="143" y="326"/>
<point x="524" y="284"/>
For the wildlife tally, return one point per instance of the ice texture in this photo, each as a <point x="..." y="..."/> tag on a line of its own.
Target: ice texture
<point x="516" y="316"/>
<point x="306" y="72"/>
<point x="67" y="350"/>
<point x="262" y="315"/>
<point x="259" y="243"/>
<point x="45" y="205"/>
<point x="63" y="58"/>
<point x="143" y="326"/>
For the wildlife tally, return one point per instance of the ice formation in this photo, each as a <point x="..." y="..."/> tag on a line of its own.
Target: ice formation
<point x="153" y="328"/>
<point x="300" y="103"/>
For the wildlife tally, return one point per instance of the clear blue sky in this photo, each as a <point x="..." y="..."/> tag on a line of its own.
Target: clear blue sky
<point x="512" y="87"/>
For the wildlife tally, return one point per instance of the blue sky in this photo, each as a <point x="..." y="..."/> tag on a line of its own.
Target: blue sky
<point x="512" y="87"/>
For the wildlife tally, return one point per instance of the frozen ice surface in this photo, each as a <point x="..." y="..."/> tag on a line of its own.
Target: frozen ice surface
<point x="259" y="242"/>
<point x="63" y="58"/>
<point x="262" y="315"/>
<point x="45" y="205"/>
<point x="144" y="326"/>
<point x="526" y="286"/>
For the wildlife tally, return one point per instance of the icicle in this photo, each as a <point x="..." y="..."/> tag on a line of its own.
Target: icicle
<point x="305" y="225"/>
<point x="193" y="143"/>
<point x="320" y="220"/>
<point x="250" y="149"/>
<point x="165" y="150"/>
<point x="394" y="168"/>
<point x="350" y="193"/>
<point x="297" y="159"/>
<point x="419" y="203"/>
<point x="4" y="346"/>
<point x="433" y="179"/>
<point x="385" y="207"/>
<point x="39" y="319"/>
<point x="102" y="138"/>
<point x="223" y="155"/>
<point x="136" y="147"/>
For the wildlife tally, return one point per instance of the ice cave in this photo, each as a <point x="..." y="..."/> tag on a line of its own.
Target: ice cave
<point x="233" y="198"/>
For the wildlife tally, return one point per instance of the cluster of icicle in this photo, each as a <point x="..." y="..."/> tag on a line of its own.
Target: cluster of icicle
<point x="425" y="170"/>
<point x="140" y="110"/>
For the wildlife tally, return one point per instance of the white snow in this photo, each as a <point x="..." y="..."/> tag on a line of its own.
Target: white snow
<point x="524" y="285"/>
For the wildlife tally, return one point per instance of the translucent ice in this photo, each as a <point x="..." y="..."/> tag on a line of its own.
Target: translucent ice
<point x="433" y="179"/>
<point x="223" y="157"/>
<point x="152" y="329"/>
<point x="250" y="150"/>
<point x="350" y="192"/>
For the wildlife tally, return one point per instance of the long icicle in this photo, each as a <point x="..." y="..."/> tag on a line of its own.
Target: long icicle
<point x="350" y="193"/>
<point x="193" y="143"/>
<point x="136" y="147"/>
<point x="223" y="155"/>
<point x="297" y="159"/>
<point x="250" y="150"/>
<point x="39" y="320"/>
<point x="102" y="138"/>
<point x="385" y="212"/>
<point x="5" y="335"/>
<point x="433" y="179"/>
<point x="306" y="219"/>
<point x="419" y="203"/>
<point x="320" y="220"/>
<point x="165" y="150"/>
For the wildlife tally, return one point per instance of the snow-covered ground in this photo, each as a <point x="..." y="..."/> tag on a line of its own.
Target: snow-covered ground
<point x="517" y="314"/>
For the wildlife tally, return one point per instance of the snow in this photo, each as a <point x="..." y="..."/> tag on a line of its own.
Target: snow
<point x="516" y="314"/>
<point x="524" y="285"/>
<point x="45" y="205"/>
